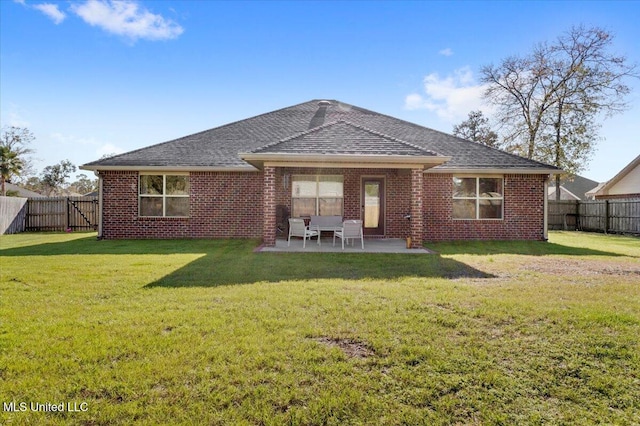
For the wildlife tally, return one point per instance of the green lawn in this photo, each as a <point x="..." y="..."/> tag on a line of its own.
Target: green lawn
<point x="209" y="332"/>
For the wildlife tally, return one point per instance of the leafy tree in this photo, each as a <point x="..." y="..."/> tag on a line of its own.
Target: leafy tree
<point x="549" y="100"/>
<point x="14" y="160"/>
<point x="34" y="183"/>
<point x="10" y="165"/>
<point x="84" y="185"/>
<point x="476" y="128"/>
<point x="54" y="177"/>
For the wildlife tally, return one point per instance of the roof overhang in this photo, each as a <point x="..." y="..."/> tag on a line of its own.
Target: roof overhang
<point x="496" y="170"/>
<point x="343" y="160"/>
<point x="170" y="168"/>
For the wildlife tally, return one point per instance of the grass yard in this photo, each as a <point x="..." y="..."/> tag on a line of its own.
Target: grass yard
<point x="208" y="332"/>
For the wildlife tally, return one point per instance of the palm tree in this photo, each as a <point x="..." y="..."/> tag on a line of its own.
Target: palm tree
<point x="10" y="165"/>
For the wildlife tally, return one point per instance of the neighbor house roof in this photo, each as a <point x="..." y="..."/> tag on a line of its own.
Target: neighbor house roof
<point x="22" y="192"/>
<point x="310" y="128"/>
<point x="573" y="187"/>
<point x="627" y="181"/>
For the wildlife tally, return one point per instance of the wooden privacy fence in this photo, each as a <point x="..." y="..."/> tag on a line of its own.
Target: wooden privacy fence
<point x="12" y="214"/>
<point x="615" y="216"/>
<point x="61" y="214"/>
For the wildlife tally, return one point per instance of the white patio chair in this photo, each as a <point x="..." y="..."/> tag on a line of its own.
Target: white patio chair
<point x="351" y="229"/>
<point x="297" y="228"/>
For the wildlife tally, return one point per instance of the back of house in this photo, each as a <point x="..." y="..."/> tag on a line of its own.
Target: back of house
<point x="322" y="158"/>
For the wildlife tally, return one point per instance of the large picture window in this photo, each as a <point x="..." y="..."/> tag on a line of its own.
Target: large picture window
<point x="316" y="195"/>
<point x="164" y="195"/>
<point x="477" y="198"/>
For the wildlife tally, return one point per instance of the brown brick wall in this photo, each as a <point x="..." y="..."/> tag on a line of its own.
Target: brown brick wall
<point x="397" y="199"/>
<point x="269" y="206"/>
<point x="222" y="205"/>
<point x="417" y="209"/>
<point x="231" y="205"/>
<point x="523" y="211"/>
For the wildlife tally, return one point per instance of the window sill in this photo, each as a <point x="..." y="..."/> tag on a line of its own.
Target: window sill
<point x="163" y="217"/>
<point x="478" y="220"/>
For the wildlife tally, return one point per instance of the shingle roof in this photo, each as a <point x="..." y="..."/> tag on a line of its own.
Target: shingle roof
<point x="578" y="185"/>
<point x="303" y="126"/>
<point x="343" y="137"/>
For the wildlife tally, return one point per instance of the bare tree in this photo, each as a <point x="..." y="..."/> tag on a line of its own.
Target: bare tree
<point x="518" y="89"/>
<point x="549" y="101"/>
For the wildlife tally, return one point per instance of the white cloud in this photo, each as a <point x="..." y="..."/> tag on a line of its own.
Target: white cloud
<point x="415" y="101"/>
<point x="16" y="120"/>
<point x="451" y="97"/>
<point x="101" y="148"/>
<point x="108" y="149"/>
<point x="126" y="18"/>
<point x="52" y="11"/>
<point x="13" y="118"/>
<point x="446" y="52"/>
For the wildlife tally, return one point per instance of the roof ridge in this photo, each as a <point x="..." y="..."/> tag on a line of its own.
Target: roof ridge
<point x="296" y="135"/>
<point x="308" y="131"/>
<point x="349" y="123"/>
<point x="393" y="138"/>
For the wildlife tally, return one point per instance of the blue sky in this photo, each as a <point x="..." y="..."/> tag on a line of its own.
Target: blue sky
<point x="93" y="77"/>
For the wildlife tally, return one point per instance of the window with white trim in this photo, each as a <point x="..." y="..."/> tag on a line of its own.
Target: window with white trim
<point x="313" y="195"/>
<point x="478" y="197"/>
<point x="164" y="195"/>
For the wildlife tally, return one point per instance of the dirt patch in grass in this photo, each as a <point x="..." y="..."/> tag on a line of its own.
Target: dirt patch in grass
<point x="351" y="347"/>
<point x="513" y="266"/>
<point x="564" y="266"/>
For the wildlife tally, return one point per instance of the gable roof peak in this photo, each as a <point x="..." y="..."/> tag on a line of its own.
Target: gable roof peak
<point x="343" y="137"/>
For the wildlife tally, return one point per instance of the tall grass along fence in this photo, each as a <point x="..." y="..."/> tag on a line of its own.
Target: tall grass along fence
<point x="609" y="216"/>
<point x="12" y="213"/>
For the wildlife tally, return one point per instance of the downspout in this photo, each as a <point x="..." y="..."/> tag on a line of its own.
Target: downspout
<point x="97" y="173"/>
<point x="546" y="209"/>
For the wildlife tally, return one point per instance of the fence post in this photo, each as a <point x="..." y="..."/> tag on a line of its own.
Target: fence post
<point x="606" y="216"/>
<point x="27" y="218"/>
<point x="68" y="221"/>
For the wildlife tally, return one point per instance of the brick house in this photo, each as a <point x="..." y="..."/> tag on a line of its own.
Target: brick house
<point x="244" y="179"/>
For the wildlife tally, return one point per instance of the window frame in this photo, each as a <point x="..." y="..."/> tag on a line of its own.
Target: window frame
<point x="477" y="198"/>
<point x="164" y="196"/>
<point x="317" y="196"/>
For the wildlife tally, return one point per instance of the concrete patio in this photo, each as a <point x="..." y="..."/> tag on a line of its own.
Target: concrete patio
<point x="387" y="245"/>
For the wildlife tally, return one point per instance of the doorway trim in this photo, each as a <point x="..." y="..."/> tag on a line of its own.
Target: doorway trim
<point x="380" y="231"/>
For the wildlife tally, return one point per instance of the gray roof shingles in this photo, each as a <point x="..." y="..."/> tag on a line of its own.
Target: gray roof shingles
<point x="342" y="137"/>
<point x="316" y="126"/>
